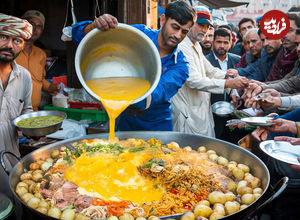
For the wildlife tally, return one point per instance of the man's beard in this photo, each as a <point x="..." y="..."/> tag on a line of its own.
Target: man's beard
<point x="220" y="52"/>
<point x="5" y="59"/>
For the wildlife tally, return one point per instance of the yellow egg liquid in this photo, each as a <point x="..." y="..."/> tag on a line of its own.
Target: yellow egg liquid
<point x="114" y="178"/>
<point x="116" y="94"/>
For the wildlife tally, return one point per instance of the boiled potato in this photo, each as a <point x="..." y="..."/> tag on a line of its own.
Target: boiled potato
<point x="248" y="198"/>
<point x="213" y="157"/>
<point x="258" y="190"/>
<point x="128" y="216"/>
<point x="186" y="216"/>
<point x="243" y="167"/>
<point x="202" y="210"/>
<point x="238" y="173"/>
<point x="230" y="196"/>
<point x="233" y="162"/>
<point x="230" y="167"/>
<point x="40" y="161"/>
<point x="256" y="195"/>
<point x="211" y="152"/>
<point x="50" y="160"/>
<point x="33" y="202"/>
<point x="222" y="161"/>
<point x="231" y="186"/>
<point x="68" y="214"/>
<point x="243" y="206"/>
<point x="202" y="149"/>
<point x="187" y="148"/>
<point x="22" y="184"/>
<point x="204" y="202"/>
<point x="34" y="166"/>
<point x="215" y="215"/>
<point x="26" y="176"/>
<point x="21" y="191"/>
<point x="42" y="210"/>
<point x="138" y="218"/>
<point x="28" y="182"/>
<point x="37" y="171"/>
<point x="218" y="207"/>
<point x="231" y="207"/>
<point x="54" y="212"/>
<point x="216" y="197"/>
<point x="114" y="218"/>
<point x="248" y="174"/>
<point x="44" y="204"/>
<point x="55" y="154"/>
<point x="45" y="166"/>
<point x="79" y="216"/>
<point x="26" y="197"/>
<point x="253" y="181"/>
<point x="242" y="183"/>
<point x="244" y="189"/>
<point x="38" y="195"/>
<point x="37" y="176"/>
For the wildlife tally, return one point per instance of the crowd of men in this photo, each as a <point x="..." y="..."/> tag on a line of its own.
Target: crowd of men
<point x="201" y="64"/>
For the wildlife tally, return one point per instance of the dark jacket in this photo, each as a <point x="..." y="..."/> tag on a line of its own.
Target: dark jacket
<point x="260" y="69"/>
<point x="232" y="60"/>
<point x="283" y="65"/>
<point x="288" y="85"/>
<point x="238" y="49"/>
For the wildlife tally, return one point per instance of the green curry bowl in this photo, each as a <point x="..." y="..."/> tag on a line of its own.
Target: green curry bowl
<point x="40" y="123"/>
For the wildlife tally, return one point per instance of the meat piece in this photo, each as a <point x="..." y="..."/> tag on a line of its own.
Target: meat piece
<point x="56" y="182"/>
<point x="46" y="193"/>
<point x="66" y="195"/>
<point x="83" y="202"/>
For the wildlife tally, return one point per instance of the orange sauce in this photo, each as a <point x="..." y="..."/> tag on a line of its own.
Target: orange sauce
<point x="116" y="94"/>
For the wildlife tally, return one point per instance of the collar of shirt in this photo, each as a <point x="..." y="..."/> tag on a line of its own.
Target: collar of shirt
<point x="15" y="70"/>
<point x="223" y="64"/>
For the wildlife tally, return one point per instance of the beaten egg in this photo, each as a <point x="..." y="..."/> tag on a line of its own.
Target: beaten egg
<point x="114" y="177"/>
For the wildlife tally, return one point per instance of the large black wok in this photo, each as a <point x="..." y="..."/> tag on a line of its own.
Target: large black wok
<point x="228" y="150"/>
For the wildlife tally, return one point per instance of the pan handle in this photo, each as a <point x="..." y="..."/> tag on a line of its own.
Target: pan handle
<point x="2" y="153"/>
<point x="278" y="188"/>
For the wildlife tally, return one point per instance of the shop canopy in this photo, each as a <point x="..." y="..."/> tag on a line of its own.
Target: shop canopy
<point x="215" y="4"/>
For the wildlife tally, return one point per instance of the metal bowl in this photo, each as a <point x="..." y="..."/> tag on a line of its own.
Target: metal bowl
<point x="222" y="108"/>
<point x="120" y="52"/>
<point x="41" y="131"/>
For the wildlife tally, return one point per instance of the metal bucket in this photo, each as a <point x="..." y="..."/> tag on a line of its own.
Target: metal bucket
<point x="120" y="52"/>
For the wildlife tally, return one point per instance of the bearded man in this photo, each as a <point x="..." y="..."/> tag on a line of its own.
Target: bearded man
<point x="15" y="86"/>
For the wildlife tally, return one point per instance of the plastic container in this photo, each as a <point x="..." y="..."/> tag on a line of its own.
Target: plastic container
<point x="81" y="114"/>
<point x="85" y="105"/>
